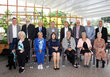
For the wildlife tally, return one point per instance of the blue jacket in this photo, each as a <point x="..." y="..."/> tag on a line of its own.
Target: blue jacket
<point x="36" y="45"/>
<point x="91" y="34"/>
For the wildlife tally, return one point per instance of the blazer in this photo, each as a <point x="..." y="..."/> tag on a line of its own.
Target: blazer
<point x="62" y="33"/>
<point x="65" y="43"/>
<point x="36" y="45"/>
<point x="31" y="31"/>
<point x="26" y="47"/>
<point x="43" y="31"/>
<point x="104" y="33"/>
<point x="10" y="33"/>
<point x="81" y="29"/>
<point x="49" y="32"/>
<point x="91" y="34"/>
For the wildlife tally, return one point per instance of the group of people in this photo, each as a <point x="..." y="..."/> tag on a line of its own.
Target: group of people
<point x="78" y="40"/>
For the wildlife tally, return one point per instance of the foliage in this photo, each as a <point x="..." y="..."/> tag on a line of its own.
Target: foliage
<point x="4" y="23"/>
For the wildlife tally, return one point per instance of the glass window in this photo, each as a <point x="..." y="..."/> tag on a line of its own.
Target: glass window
<point x="37" y="19"/>
<point x="30" y="11"/>
<point x="54" y="19"/>
<point x="12" y="9"/>
<point x="3" y="9"/>
<point x="38" y="11"/>
<point x="3" y="1"/>
<point x="46" y="21"/>
<point x="73" y="20"/>
<point x="46" y="12"/>
<point x="21" y="10"/>
<point x="21" y="3"/>
<point x="60" y="20"/>
<point x="60" y="13"/>
<point x="53" y="12"/>
<point x="12" y="2"/>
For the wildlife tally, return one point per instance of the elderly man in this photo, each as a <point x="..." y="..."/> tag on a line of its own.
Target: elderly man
<point x="29" y="30"/>
<point x="40" y="29"/>
<point x="77" y="31"/>
<point x="102" y="30"/>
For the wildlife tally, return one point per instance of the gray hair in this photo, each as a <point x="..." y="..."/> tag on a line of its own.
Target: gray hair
<point x="21" y="32"/>
<point x="83" y="33"/>
<point x="68" y="32"/>
<point x="99" y="33"/>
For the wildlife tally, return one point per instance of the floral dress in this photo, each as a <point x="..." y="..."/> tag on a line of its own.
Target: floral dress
<point x="99" y="46"/>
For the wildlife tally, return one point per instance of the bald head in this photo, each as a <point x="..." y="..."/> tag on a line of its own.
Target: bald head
<point x="88" y="23"/>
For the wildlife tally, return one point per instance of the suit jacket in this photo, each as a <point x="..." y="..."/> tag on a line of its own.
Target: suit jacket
<point x="91" y="33"/>
<point x="81" y="29"/>
<point x="43" y="31"/>
<point x="62" y="33"/>
<point x="31" y="31"/>
<point x="10" y="33"/>
<point x="49" y="32"/>
<point x="104" y="33"/>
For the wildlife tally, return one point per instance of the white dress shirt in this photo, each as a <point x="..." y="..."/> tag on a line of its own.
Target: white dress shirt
<point x="66" y="29"/>
<point x="100" y="29"/>
<point x="14" y="29"/>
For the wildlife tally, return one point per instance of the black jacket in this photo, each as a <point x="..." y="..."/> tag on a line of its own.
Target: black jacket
<point x="43" y="31"/>
<point x="31" y="31"/>
<point x="62" y="33"/>
<point x="104" y="33"/>
<point x="26" y="45"/>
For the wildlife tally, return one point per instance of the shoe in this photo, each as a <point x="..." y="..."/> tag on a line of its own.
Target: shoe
<point x="10" y="68"/>
<point x="38" y="67"/>
<point x="7" y="65"/>
<point x="20" y="70"/>
<point x="57" y="68"/>
<point x="41" y="66"/>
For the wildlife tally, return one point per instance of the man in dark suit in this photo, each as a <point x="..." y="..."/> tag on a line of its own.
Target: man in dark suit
<point x="77" y="31"/>
<point x="29" y="30"/>
<point x="102" y="30"/>
<point x="40" y="29"/>
<point x="64" y="30"/>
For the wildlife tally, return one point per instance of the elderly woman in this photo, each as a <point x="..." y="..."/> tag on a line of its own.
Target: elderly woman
<point x="54" y="48"/>
<point x="40" y="47"/>
<point x="99" y="46"/>
<point x="22" y="47"/>
<point x="69" y="45"/>
<point x="85" y="46"/>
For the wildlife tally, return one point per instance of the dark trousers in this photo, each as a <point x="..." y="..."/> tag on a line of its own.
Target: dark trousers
<point x="70" y="56"/>
<point x="13" y="44"/>
<point x="97" y="63"/>
<point x="21" y="59"/>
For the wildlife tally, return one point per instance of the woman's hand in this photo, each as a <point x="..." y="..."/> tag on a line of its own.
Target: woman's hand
<point x="69" y="49"/>
<point x="21" y="51"/>
<point x="40" y="51"/>
<point x="56" y="48"/>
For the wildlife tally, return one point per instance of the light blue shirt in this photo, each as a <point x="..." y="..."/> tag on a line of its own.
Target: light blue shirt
<point x="90" y="31"/>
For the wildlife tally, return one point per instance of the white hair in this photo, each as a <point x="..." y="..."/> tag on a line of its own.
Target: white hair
<point x="83" y="33"/>
<point x="21" y="32"/>
<point x="99" y="33"/>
